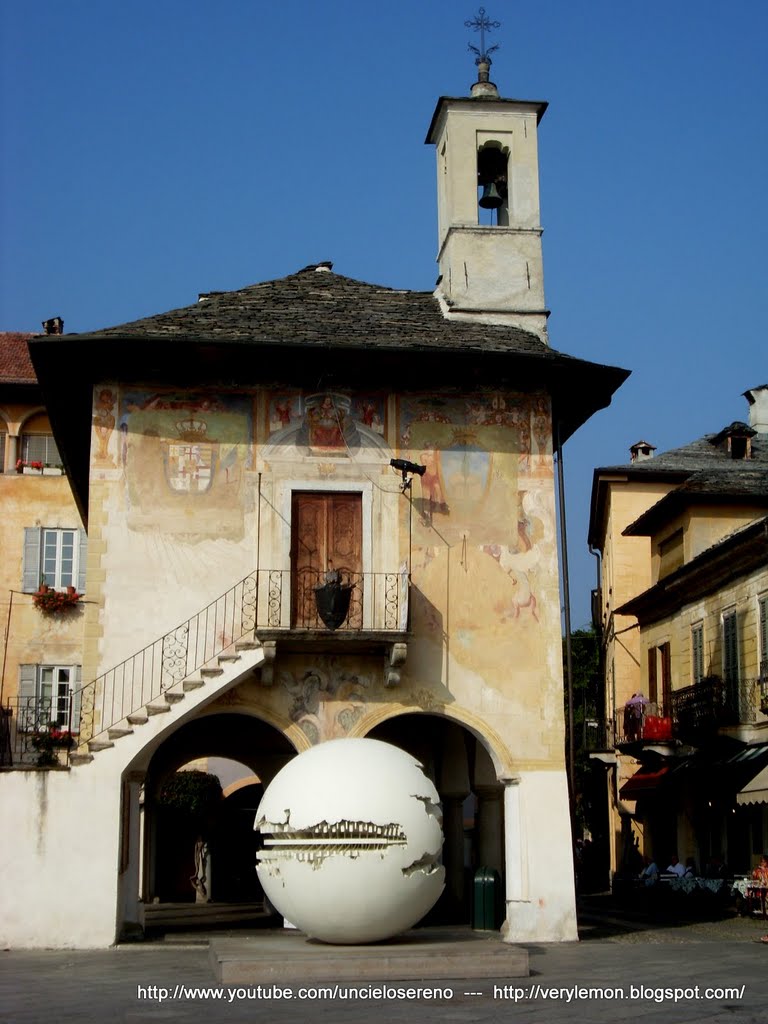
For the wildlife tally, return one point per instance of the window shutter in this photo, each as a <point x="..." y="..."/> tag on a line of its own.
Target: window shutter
<point x="730" y="652"/>
<point x="666" y="676"/>
<point x="30" y="580"/>
<point x="697" y="639"/>
<point x="76" y="697"/>
<point x="653" y="689"/>
<point x="763" y="605"/>
<point x="27" y="682"/>
<point x="81" y="560"/>
<point x="26" y="713"/>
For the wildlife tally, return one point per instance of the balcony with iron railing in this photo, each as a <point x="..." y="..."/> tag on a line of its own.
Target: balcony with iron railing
<point x="273" y="607"/>
<point x="713" y="703"/>
<point x="691" y="715"/>
<point x="642" y="722"/>
<point x="37" y="731"/>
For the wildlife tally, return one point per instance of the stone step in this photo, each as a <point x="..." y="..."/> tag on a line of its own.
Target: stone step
<point x="157" y="709"/>
<point x="211" y="673"/>
<point x="96" y="745"/>
<point x="174" y="696"/>
<point x="228" y="657"/>
<point x="118" y="731"/>
<point x="192" y="684"/>
<point x="247" y="645"/>
<point x="137" y="718"/>
<point x="76" y="759"/>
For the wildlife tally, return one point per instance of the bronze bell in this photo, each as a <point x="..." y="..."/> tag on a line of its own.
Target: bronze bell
<point x="490" y="199"/>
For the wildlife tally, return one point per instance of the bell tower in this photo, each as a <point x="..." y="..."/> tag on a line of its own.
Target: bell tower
<point x="489" y="226"/>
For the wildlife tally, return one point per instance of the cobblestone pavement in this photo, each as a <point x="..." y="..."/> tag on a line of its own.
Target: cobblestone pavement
<point x="628" y="967"/>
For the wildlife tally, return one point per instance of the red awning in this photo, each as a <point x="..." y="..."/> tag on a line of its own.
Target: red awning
<point x="643" y="782"/>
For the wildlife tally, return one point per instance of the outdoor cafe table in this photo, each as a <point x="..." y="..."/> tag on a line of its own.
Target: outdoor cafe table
<point x="753" y="892"/>
<point x="690" y="883"/>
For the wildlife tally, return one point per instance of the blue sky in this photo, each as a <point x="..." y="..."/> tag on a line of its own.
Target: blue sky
<point x="154" y="150"/>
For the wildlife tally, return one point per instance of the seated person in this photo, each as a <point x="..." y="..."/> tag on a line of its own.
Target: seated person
<point x="675" y="867"/>
<point x="760" y="874"/>
<point x="650" y="873"/>
<point x="690" y="868"/>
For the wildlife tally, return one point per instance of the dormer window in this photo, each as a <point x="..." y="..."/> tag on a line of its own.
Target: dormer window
<point x="735" y="440"/>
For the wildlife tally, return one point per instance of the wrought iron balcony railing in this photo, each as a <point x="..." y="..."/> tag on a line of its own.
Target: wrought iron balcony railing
<point x="715" y="703"/>
<point x="37" y="731"/>
<point x="269" y="600"/>
<point x="648" y="722"/>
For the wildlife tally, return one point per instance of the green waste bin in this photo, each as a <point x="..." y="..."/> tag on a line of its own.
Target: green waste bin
<point x="486" y="900"/>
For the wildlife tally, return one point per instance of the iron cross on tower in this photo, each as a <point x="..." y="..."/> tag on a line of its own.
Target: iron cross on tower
<point x="482" y="23"/>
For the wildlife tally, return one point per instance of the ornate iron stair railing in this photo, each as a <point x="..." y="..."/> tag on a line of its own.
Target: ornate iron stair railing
<point x="147" y="675"/>
<point x="274" y="599"/>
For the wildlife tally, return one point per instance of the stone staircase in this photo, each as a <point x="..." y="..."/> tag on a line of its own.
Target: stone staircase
<point x="218" y="675"/>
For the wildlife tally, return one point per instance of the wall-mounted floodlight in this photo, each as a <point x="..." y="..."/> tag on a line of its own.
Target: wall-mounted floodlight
<point x="405" y="467"/>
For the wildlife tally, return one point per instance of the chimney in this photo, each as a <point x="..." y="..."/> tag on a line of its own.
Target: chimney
<point x="641" y="450"/>
<point x="53" y="326"/>
<point x="758" y="408"/>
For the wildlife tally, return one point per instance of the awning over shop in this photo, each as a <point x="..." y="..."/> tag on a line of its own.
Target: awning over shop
<point x="755" y="791"/>
<point x="643" y="782"/>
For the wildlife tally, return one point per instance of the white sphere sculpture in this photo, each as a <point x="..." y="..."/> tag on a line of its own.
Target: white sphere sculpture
<point x="353" y="839"/>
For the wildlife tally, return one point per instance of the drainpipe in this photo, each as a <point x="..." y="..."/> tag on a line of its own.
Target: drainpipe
<point x="5" y="645"/>
<point x="571" y="757"/>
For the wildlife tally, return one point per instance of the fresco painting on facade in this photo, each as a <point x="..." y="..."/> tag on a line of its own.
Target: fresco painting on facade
<point x="325" y="423"/>
<point x="186" y="446"/>
<point x="328" y="699"/>
<point x="103" y="427"/>
<point x="477" y="451"/>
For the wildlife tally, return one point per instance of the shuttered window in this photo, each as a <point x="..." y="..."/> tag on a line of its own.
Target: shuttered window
<point x="730" y="648"/>
<point x="665" y="652"/>
<point x="697" y="652"/>
<point x="40" y="448"/>
<point x="54" y="556"/>
<point x="2" y="450"/>
<point x="49" y="694"/>
<point x="653" y="686"/>
<point x="762" y="605"/>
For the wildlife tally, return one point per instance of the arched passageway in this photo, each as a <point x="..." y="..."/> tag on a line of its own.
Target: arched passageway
<point x="170" y="836"/>
<point x="472" y="800"/>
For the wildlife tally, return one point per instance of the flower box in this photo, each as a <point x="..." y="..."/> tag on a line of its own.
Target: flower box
<point x="52" y="471"/>
<point x="55" y="602"/>
<point x="30" y="471"/>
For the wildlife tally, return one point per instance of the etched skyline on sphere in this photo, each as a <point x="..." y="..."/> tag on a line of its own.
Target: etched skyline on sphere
<point x="482" y="23"/>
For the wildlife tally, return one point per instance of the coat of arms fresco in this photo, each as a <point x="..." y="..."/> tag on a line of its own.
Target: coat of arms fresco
<point x="186" y="450"/>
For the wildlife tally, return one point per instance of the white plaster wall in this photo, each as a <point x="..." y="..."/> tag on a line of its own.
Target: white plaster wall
<point x="60" y="843"/>
<point x="541" y="899"/>
<point x="59" y="858"/>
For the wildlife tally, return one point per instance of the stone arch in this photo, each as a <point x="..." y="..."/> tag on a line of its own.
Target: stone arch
<point x="30" y="414"/>
<point x="157" y="859"/>
<point x="495" y="747"/>
<point x="459" y="762"/>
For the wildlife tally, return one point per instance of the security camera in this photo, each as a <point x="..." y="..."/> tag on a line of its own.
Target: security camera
<point x="407" y="467"/>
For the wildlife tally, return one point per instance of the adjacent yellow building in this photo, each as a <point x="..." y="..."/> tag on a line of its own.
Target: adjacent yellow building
<point x="684" y="606"/>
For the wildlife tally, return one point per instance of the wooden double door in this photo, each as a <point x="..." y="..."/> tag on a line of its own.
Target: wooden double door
<point x="326" y="535"/>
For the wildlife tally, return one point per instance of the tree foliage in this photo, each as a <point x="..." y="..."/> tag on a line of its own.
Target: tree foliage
<point x="192" y="793"/>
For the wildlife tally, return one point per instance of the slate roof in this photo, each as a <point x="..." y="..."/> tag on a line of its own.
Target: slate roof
<point x="744" y="484"/>
<point x="320" y="308"/>
<point x="700" y="454"/>
<point x="701" y="470"/>
<point x="15" y="364"/>
<point x="309" y="327"/>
